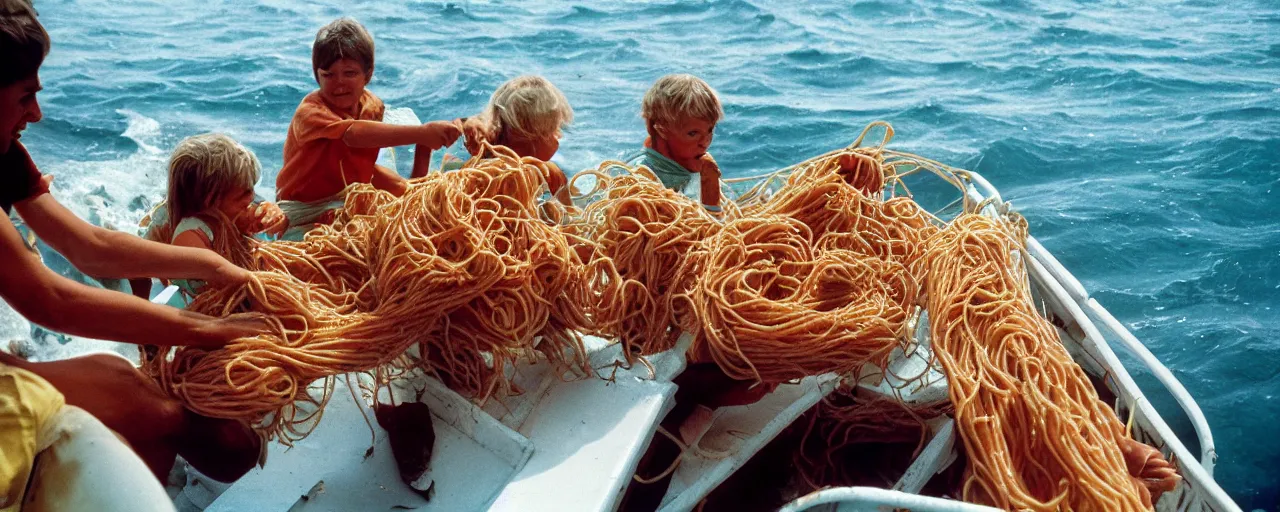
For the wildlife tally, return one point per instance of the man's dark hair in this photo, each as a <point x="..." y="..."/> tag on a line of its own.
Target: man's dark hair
<point x="23" y="41"/>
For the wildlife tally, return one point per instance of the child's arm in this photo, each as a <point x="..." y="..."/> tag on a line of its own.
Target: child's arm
<point x="193" y="238"/>
<point x="104" y="253"/>
<point x="389" y="180"/>
<point x="373" y="134"/>
<point x="55" y="302"/>
<point x="559" y="184"/>
<point x="421" y="161"/>
<point x="710" y="184"/>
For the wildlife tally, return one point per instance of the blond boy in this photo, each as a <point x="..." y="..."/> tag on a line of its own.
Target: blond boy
<point x="680" y="113"/>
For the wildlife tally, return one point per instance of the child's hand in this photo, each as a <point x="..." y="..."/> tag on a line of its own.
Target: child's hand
<point x="263" y="218"/>
<point x="476" y="134"/>
<point x="438" y="134"/>
<point x="709" y="166"/>
<point x="273" y="220"/>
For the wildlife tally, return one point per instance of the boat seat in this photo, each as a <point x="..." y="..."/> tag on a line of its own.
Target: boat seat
<point x="474" y="457"/>
<point x="735" y="435"/>
<point x="588" y="437"/>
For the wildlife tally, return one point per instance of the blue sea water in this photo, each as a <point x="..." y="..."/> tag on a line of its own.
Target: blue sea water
<point x="1140" y="141"/>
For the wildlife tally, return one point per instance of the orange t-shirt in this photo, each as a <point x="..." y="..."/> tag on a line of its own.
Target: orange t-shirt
<point x="19" y="178"/>
<point x="317" y="163"/>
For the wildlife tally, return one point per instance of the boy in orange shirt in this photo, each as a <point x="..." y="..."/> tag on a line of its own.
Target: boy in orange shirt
<point x="337" y="130"/>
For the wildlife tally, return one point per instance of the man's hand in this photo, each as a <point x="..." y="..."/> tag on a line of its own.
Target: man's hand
<point x="438" y="134"/>
<point x="227" y="274"/>
<point x="216" y="332"/>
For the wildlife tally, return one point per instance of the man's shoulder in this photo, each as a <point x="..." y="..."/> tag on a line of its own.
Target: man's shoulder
<point x="18" y="174"/>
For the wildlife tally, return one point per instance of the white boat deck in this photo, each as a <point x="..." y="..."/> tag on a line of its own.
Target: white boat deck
<point x="574" y="446"/>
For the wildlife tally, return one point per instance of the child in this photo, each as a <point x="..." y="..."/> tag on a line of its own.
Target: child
<point x="211" y="179"/>
<point x="680" y="113"/>
<point x="336" y="132"/>
<point x="528" y="115"/>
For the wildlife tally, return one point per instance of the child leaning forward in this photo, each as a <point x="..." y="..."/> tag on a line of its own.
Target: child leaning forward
<point x="337" y="130"/>
<point x="210" y="202"/>
<point x="527" y="114"/>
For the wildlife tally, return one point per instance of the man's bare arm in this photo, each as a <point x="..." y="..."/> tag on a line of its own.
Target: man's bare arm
<point x="60" y="304"/>
<point x="101" y="252"/>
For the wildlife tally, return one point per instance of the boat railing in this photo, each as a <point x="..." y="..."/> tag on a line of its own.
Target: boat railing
<point x="847" y="499"/>
<point x="1078" y="295"/>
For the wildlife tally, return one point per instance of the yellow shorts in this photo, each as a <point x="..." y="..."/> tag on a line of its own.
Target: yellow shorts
<point x="27" y="402"/>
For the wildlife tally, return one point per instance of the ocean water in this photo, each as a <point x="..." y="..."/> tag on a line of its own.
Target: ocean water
<point x="1140" y="141"/>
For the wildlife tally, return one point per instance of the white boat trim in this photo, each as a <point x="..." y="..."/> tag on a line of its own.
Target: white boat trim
<point x="850" y="499"/>
<point x="1070" y="302"/>
<point x="1208" y="452"/>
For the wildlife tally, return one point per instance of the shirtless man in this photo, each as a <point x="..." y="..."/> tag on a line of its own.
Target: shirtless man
<point x="107" y="387"/>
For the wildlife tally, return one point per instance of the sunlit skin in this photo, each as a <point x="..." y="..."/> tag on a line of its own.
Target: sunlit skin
<point x="18" y="107"/>
<point x="342" y="84"/>
<point x="542" y="148"/>
<point x="264" y="218"/>
<point x="685" y="141"/>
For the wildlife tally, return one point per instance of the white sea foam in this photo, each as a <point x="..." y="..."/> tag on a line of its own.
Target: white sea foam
<point x="114" y="194"/>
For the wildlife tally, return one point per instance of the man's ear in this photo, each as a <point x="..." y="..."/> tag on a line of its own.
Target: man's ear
<point x="368" y="76"/>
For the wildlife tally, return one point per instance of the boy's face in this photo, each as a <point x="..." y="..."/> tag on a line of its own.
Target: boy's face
<point x="688" y="138"/>
<point x="18" y="106"/>
<point x="342" y="84"/>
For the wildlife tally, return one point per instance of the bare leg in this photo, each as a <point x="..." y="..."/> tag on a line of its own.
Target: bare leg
<point x="156" y="426"/>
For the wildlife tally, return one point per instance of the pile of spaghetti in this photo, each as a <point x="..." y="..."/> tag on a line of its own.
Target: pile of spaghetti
<point x="819" y="277"/>
<point x="1036" y="435"/>
<point x="455" y="278"/>
<point x="636" y="235"/>
<point x="468" y="271"/>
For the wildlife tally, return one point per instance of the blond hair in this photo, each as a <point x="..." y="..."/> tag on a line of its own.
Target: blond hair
<point x="528" y="106"/>
<point x="343" y="38"/>
<point x="676" y="97"/>
<point x="203" y="170"/>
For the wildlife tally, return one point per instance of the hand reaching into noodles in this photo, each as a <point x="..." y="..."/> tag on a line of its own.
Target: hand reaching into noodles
<point x="1145" y="463"/>
<point x="211" y="332"/>
<point x="475" y="133"/>
<point x="263" y="218"/>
